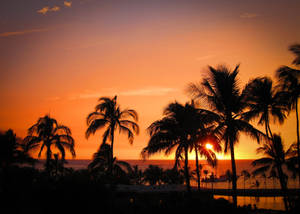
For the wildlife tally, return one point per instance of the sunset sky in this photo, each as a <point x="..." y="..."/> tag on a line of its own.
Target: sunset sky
<point x="58" y="57"/>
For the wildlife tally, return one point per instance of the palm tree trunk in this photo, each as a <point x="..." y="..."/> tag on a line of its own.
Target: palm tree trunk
<point x="271" y="135"/>
<point x="233" y="166"/>
<point x="197" y="168"/>
<point x="266" y="127"/>
<point x="186" y="171"/>
<point x="48" y="159"/>
<point x="298" y="141"/>
<point x="283" y="185"/>
<point x="112" y="149"/>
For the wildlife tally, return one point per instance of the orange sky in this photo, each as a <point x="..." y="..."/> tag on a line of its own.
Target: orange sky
<point x="59" y="57"/>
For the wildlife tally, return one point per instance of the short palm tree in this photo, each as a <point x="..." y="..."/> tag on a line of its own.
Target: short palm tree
<point x="136" y="175"/>
<point x="228" y="175"/>
<point x="12" y="150"/>
<point x="221" y="91"/>
<point x="47" y="133"/>
<point x="101" y="162"/>
<point x="289" y="80"/>
<point x="274" y="159"/>
<point x="153" y="175"/>
<point x="246" y="175"/>
<point x="264" y="102"/>
<point x="109" y="115"/>
<point x="201" y="135"/>
<point x="206" y="136"/>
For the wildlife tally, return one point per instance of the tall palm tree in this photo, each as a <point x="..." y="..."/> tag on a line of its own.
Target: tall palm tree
<point x="289" y="80"/>
<point x="109" y="115"/>
<point x="274" y="159"/>
<point x="222" y="93"/>
<point x="47" y="133"/>
<point x="12" y="150"/>
<point x="181" y="128"/>
<point x="264" y="102"/>
<point x="169" y="133"/>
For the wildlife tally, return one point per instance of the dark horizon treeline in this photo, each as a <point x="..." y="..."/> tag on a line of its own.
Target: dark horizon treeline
<point x="184" y="128"/>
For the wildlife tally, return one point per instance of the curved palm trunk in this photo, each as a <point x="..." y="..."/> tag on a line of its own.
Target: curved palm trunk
<point x="298" y="141"/>
<point x="186" y="170"/>
<point x="283" y="185"/>
<point x="233" y="166"/>
<point x="197" y="168"/>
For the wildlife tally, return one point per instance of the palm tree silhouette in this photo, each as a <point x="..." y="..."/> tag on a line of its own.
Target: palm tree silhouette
<point x="202" y="133"/>
<point x="181" y="128"/>
<point x="264" y="102"/>
<point x="109" y="115"/>
<point x="221" y="92"/>
<point x="136" y="175"/>
<point x="204" y="137"/>
<point x="101" y="163"/>
<point x="228" y="175"/>
<point x="48" y="133"/>
<point x="153" y="174"/>
<point x="289" y="79"/>
<point x="12" y="150"/>
<point x="246" y="175"/>
<point x="274" y="159"/>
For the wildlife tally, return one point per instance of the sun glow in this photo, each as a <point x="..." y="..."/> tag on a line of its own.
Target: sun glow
<point x="209" y="146"/>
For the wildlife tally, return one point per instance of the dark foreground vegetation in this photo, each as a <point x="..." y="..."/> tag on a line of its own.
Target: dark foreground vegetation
<point x="27" y="190"/>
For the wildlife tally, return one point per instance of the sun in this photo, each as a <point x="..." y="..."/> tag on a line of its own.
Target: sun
<point x="209" y="146"/>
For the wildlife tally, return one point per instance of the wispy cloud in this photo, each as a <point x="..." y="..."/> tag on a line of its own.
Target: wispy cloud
<point x="18" y="33"/>
<point x="45" y="10"/>
<point x="248" y="15"/>
<point x="151" y="91"/>
<point x="68" y="3"/>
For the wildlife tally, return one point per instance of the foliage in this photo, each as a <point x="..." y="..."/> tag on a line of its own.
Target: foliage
<point x="47" y="133"/>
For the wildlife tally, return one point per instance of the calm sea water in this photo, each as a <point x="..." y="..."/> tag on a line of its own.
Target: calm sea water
<point x="223" y="165"/>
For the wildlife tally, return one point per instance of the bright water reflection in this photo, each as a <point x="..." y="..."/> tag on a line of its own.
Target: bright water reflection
<point x="274" y="203"/>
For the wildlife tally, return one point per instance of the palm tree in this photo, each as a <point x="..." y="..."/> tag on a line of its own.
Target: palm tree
<point x="246" y="175"/>
<point x="109" y="115"/>
<point x="101" y="163"/>
<point x="274" y="159"/>
<point x="47" y="133"/>
<point x="180" y="129"/>
<point x="221" y="92"/>
<point x="12" y="150"/>
<point x="153" y="174"/>
<point x="209" y="154"/>
<point x="203" y="135"/>
<point x="289" y="80"/>
<point x="228" y="175"/>
<point x="136" y="175"/>
<point x="173" y="176"/>
<point x="264" y="102"/>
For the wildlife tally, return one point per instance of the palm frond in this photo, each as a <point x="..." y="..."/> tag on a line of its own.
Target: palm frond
<point x="94" y="126"/>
